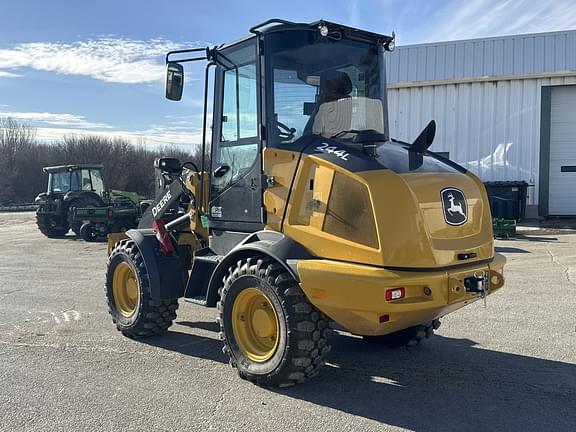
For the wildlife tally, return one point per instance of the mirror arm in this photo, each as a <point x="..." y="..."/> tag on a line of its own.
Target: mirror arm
<point x="204" y="57"/>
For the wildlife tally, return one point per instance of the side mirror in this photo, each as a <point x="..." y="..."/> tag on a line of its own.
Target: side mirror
<point x="168" y="165"/>
<point x="174" y="81"/>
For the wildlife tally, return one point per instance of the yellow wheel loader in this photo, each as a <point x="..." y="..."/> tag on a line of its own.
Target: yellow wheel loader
<point x="308" y="214"/>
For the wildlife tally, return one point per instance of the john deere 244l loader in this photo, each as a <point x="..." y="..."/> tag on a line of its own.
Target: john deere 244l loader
<point x="308" y="213"/>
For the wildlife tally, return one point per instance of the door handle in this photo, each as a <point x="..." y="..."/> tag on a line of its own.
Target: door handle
<point x="568" y="168"/>
<point x="221" y="170"/>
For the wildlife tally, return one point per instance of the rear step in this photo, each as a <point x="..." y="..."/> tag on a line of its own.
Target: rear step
<point x="203" y="265"/>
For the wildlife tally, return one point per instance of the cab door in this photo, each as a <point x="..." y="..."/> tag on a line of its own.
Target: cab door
<point x="236" y="170"/>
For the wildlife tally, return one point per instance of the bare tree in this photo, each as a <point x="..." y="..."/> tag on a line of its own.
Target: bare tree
<point x="17" y="145"/>
<point x="126" y="166"/>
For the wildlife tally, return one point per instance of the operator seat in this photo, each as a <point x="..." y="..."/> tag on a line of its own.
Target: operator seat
<point x="337" y="111"/>
<point x="334" y="85"/>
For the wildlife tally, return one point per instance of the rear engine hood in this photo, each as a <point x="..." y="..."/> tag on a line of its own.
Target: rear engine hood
<point x="431" y="220"/>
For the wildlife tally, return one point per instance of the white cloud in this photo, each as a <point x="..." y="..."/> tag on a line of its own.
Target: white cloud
<point x="485" y="18"/>
<point x="109" y="59"/>
<point x="151" y="136"/>
<point x="56" y="119"/>
<point x="51" y="127"/>
<point x="4" y="74"/>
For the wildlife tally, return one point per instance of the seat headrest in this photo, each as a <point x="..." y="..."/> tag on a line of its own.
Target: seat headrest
<point x="334" y="85"/>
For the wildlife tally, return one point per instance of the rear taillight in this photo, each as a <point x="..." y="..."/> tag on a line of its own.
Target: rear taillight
<point x="395" y="294"/>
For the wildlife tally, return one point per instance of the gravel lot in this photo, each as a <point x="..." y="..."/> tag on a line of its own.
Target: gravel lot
<point x="64" y="367"/>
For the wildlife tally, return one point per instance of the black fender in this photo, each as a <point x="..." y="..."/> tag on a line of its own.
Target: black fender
<point x="282" y="249"/>
<point x="71" y="197"/>
<point x="165" y="273"/>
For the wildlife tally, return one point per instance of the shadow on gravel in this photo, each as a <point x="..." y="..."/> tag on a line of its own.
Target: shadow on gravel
<point x="212" y="326"/>
<point x="510" y="250"/>
<point x="538" y="239"/>
<point x="189" y="344"/>
<point x="445" y="384"/>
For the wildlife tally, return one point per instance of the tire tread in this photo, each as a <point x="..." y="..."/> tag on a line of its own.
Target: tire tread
<point x="307" y="339"/>
<point x="154" y="316"/>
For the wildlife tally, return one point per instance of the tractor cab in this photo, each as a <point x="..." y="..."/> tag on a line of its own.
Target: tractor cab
<point x="75" y="178"/>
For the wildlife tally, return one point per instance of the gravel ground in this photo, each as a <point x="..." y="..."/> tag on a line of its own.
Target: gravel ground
<point x="64" y="367"/>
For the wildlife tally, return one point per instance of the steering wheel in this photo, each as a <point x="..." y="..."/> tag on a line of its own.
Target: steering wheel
<point x="284" y="132"/>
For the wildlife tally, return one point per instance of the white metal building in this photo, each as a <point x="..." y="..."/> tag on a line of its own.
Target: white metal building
<point x="505" y="108"/>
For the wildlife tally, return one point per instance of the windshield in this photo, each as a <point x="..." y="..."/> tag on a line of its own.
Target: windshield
<point x="59" y="182"/>
<point x="324" y="87"/>
<point x="79" y="180"/>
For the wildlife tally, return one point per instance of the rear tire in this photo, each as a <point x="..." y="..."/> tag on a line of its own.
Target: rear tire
<point x="301" y="330"/>
<point x="48" y="227"/>
<point x="133" y="312"/>
<point x="409" y="337"/>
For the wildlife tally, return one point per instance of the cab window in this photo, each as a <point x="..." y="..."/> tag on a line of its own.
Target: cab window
<point x="237" y="147"/>
<point x="97" y="182"/>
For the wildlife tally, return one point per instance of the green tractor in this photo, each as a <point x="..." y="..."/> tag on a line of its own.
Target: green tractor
<point x="77" y="199"/>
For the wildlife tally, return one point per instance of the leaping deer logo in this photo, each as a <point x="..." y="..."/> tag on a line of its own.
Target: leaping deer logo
<point x="455" y="207"/>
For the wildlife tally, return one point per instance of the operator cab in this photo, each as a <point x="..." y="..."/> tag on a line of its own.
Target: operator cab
<point x="287" y="86"/>
<point x="75" y="178"/>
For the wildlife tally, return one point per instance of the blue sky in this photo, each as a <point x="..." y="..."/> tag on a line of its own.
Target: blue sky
<point x="98" y="67"/>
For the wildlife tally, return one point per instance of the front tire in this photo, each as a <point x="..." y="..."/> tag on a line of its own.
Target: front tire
<point x="89" y="233"/>
<point x="133" y="312"/>
<point x="272" y="334"/>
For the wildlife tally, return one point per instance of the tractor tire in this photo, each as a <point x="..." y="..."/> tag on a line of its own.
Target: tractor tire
<point x="82" y="202"/>
<point x="272" y="334"/>
<point x="88" y="233"/>
<point x="133" y="312"/>
<point x="48" y="227"/>
<point x="409" y="337"/>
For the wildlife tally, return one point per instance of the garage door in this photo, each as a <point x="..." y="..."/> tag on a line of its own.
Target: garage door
<point x="563" y="151"/>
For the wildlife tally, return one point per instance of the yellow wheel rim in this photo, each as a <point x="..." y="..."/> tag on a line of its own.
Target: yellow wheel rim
<point x="125" y="289"/>
<point x="255" y="325"/>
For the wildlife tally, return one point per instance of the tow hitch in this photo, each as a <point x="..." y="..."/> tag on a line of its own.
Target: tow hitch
<point x="478" y="284"/>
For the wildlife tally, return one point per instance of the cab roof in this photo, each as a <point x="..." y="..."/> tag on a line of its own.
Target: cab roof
<point x="70" y="168"/>
<point x="275" y="24"/>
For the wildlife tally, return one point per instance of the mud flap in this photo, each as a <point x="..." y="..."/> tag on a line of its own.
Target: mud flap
<point x="165" y="273"/>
